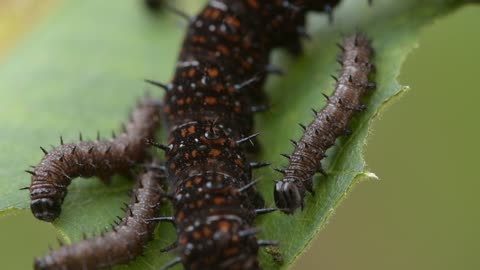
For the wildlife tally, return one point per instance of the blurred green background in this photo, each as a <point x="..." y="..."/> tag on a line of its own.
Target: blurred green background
<point x="423" y="213"/>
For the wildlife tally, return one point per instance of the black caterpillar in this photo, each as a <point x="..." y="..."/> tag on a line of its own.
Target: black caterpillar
<point x="127" y="239"/>
<point x="330" y="123"/>
<point x="102" y="158"/>
<point x="208" y="108"/>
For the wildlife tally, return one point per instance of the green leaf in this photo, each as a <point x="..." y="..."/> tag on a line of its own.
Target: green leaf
<point x="83" y="68"/>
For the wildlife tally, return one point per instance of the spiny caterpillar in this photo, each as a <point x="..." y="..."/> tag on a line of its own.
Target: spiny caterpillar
<point x="101" y="158"/>
<point x="127" y="239"/>
<point x="329" y="123"/>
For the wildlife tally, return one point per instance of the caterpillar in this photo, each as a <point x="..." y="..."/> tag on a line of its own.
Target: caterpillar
<point x="126" y="240"/>
<point x="102" y="158"/>
<point x="329" y="123"/>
